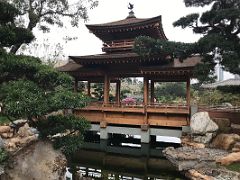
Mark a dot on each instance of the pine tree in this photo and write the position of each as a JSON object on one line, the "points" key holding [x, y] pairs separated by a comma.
{"points": [[32, 90], [220, 27]]}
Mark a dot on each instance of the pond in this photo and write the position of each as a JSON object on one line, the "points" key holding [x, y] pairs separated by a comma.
{"points": [[127, 160]]}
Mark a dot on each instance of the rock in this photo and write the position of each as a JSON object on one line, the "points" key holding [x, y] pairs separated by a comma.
{"points": [[38, 161], [20, 122], [236, 147], [7, 135], [11, 144], [223, 174], [1, 170], [229, 159], [10, 147], [201, 123], [225, 141], [186, 141], [194, 174], [28, 139], [78, 176], [17, 142], [202, 163], [25, 131], [185, 158], [59, 112], [214, 173], [224, 124], [34, 130], [5, 129], [204, 138], [235, 128]]}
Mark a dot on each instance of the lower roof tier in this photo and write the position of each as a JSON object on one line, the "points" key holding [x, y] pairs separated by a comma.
{"points": [[129, 65], [129, 58]]}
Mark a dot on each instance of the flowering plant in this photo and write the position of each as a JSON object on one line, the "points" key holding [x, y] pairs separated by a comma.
{"points": [[129, 100]]}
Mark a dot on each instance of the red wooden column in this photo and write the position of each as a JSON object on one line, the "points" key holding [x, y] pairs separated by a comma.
{"points": [[75, 88], [152, 92], [106, 89], [118, 87], [145, 90], [188, 93], [89, 89]]}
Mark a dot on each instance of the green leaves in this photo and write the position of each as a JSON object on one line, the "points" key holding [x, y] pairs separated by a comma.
{"points": [[216, 97], [32, 90], [189, 20], [14, 67], [197, 3], [170, 92], [23, 99], [229, 89], [66, 132], [8, 12], [49, 78], [65, 99], [146, 46], [9, 33]]}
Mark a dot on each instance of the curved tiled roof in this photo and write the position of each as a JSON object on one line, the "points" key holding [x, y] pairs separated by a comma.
{"points": [[70, 66], [108, 56], [130, 56], [127, 27], [115, 58], [126, 22]]}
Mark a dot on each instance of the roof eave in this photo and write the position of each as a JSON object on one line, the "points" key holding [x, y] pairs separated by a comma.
{"points": [[91, 27]]}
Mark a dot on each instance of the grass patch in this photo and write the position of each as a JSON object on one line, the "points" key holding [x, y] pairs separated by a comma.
{"points": [[234, 167], [4, 120]]}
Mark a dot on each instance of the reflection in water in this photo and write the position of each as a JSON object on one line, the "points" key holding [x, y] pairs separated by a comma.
{"points": [[106, 160]]}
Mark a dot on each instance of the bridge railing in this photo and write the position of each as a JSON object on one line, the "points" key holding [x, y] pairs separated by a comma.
{"points": [[138, 105]]}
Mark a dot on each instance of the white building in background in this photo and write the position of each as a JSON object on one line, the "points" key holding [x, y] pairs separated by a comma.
{"points": [[223, 75], [219, 72], [224, 78]]}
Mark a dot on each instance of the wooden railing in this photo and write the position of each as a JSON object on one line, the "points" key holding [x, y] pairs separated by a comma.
{"points": [[115, 45], [154, 107], [136, 114]]}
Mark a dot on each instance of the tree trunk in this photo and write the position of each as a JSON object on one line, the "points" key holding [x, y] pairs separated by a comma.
{"points": [[32, 23], [15, 48]]}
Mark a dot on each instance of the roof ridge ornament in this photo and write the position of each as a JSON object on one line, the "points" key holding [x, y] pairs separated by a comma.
{"points": [[131, 13]]}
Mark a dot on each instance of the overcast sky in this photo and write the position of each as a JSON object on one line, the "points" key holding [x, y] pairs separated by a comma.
{"points": [[113, 10]]}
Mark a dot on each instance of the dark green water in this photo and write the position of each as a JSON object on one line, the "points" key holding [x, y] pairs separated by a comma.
{"points": [[102, 160]]}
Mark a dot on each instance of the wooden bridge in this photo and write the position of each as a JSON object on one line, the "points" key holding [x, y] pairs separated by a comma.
{"points": [[152, 115]]}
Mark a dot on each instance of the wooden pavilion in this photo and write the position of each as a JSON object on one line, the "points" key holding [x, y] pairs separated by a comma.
{"points": [[119, 61]]}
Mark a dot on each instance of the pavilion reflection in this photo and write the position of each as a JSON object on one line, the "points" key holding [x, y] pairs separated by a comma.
{"points": [[94, 161]]}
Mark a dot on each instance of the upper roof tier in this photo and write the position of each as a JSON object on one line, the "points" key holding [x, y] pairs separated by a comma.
{"points": [[129, 28]]}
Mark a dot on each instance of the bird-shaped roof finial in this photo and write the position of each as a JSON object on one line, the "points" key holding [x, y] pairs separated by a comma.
{"points": [[131, 13], [130, 6]]}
